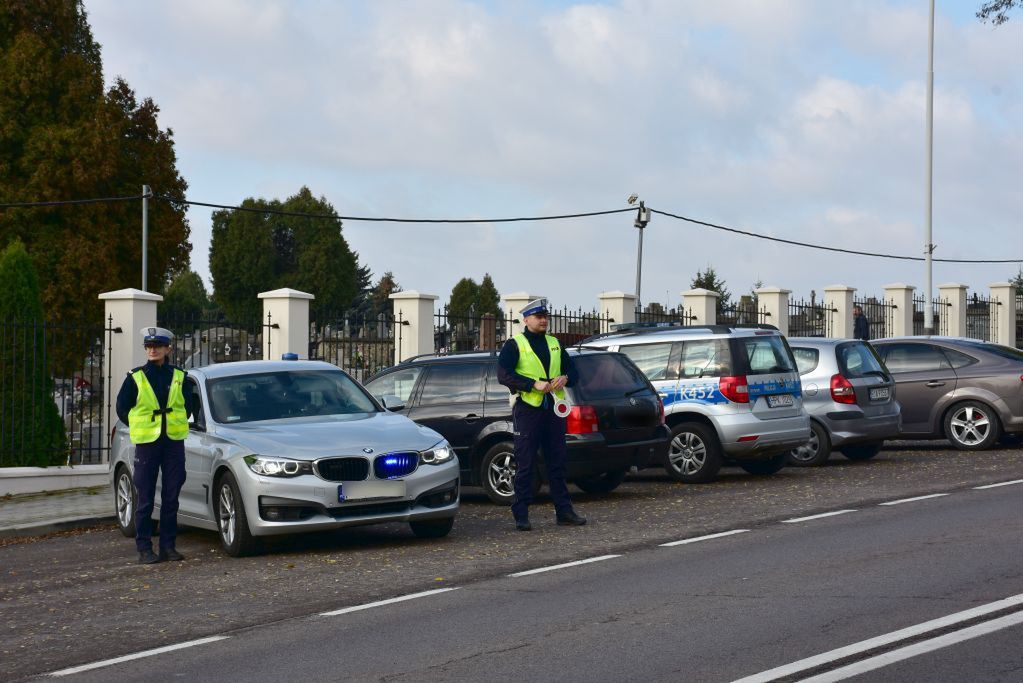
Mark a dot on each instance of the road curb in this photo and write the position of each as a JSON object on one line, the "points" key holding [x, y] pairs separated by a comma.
{"points": [[52, 526]]}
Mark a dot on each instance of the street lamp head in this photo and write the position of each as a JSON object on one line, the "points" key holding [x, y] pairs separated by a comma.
{"points": [[633, 198]]}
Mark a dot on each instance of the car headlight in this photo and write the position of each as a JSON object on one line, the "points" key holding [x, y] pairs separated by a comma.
{"points": [[277, 467], [437, 455]]}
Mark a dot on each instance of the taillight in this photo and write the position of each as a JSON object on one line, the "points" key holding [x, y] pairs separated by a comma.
{"points": [[582, 420], [841, 390], [735, 389], [660, 409]]}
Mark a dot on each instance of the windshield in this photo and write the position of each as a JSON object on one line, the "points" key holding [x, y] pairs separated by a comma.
{"points": [[857, 359], [607, 375], [281, 395]]}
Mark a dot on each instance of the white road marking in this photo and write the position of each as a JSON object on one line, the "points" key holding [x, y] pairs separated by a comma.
{"points": [[1004, 483], [704, 538], [913, 500], [820, 516], [388, 601], [915, 649], [137, 655], [880, 641], [563, 566]]}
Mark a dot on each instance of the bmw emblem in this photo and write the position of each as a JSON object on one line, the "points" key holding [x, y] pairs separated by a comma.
{"points": [[367, 451]]}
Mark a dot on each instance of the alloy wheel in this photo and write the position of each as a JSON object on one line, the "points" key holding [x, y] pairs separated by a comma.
{"points": [[688, 453], [808, 451], [501, 474], [125, 500], [970, 426], [228, 514]]}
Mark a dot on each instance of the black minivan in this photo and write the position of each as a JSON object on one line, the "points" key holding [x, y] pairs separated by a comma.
{"points": [[616, 421]]}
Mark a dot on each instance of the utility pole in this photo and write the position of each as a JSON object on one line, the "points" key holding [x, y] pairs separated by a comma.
{"points": [[642, 218], [146, 193], [928, 246]]}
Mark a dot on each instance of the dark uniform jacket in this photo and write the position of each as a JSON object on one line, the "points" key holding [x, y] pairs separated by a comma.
{"points": [[160, 377], [509, 359]]}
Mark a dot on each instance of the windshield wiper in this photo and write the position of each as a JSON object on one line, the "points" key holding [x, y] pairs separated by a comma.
{"points": [[635, 391]]}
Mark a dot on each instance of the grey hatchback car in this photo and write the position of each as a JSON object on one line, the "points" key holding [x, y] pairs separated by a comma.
{"points": [[965, 390], [850, 397]]}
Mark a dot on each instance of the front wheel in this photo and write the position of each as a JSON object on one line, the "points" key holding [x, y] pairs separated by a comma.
{"points": [[432, 528], [765, 467], [815, 451], [972, 426], [497, 473], [862, 451], [694, 455], [125, 502], [602, 483], [232, 523]]}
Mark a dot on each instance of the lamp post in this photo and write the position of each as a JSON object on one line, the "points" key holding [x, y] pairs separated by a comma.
{"points": [[928, 246], [642, 218]]}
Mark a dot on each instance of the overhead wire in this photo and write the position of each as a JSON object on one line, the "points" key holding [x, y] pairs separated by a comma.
{"points": [[69, 202]]}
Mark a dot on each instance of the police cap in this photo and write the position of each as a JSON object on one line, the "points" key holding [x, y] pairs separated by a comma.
{"points": [[536, 307], [156, 335]]}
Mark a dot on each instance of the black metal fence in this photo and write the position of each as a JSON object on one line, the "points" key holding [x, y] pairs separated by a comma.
{"points": [[880, 315], [673, 316], [982, 317], [453, 333], [207, 339], [940, 307], [810, 318], [52, 403], [1019, 320], [742, 313], [360, 343]]}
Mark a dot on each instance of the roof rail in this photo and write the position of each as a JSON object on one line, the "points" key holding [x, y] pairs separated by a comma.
{"points": [[648, 327], [447, 354]]}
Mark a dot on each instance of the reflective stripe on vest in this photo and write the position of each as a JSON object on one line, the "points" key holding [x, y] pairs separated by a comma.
{"points": [[529, 365], [145, 421]]}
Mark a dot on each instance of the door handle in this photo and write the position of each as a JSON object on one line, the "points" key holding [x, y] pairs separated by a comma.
{"points": [[935, 383], [471, 417]]}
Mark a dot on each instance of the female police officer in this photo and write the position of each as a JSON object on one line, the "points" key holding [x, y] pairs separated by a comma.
{"points": [[534, 366], [151, 402]]}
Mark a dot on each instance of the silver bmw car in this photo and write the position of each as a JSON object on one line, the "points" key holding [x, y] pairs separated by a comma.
{"points": [[278, 447]]}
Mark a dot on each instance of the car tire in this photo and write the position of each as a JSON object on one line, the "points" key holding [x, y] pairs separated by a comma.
{"points": [[765, 467], [432, 528], [232, 524], [814, 452], [497, 474], [601, 483], [862, 451], [972, 426], [125, 501], [694, 454]]}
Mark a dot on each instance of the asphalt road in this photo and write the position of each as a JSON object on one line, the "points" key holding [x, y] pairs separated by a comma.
{"points": [[76, 598]]}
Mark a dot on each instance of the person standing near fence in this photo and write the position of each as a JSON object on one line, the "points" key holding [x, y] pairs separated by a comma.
{"points": [[533, 366], [861, 326], [152, 403]]}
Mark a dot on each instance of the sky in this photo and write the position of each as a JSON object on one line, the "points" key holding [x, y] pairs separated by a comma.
{"points": [[797, 119]]}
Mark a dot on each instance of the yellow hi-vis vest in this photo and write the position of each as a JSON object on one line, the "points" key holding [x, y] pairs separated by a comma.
{"points": [[529, 365], [144, 419]]}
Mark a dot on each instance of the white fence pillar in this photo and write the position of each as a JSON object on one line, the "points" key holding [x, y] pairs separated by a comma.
{"points": [[955, 294], [902, 318], [703, 303], [619, 307], [1005, 294], [129, 310], [513, 303], [775, 301], [288, 313], [417, 309], [840, 299]]}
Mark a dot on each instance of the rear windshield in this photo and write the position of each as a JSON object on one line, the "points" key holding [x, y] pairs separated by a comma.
{"points": [[857, 359], [766, 354], [607, 375], [280, 395]]}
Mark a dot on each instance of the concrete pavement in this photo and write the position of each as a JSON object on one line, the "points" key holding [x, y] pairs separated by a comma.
{"points": [[42, 513]]}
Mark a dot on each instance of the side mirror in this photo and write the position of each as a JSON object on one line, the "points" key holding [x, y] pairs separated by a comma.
{"points": [[392, 403]]}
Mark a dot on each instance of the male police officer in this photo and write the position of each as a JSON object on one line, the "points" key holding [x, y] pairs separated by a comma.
{"points": [[152, 403], [533, 365]]}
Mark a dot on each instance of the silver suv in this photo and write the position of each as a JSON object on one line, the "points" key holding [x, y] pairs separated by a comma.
{"points": [[729, 393], [850, 397]]}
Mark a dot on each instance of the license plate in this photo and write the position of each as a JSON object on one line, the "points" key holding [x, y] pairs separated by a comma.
{"points": [[779, 401], [880, 394], [363, 490]]}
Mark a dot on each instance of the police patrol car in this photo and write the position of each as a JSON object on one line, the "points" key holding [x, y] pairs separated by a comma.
{"points": [[731, 394]]}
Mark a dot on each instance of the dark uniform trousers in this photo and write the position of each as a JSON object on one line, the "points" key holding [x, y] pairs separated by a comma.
{"points": [[535, 429], [167, 456]]}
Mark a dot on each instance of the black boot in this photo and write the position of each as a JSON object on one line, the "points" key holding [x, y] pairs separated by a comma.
{"points": [[170, 554], [523, 524], [148, 557], [570, 519]]}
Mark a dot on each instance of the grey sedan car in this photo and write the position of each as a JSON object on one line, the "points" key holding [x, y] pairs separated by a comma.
{"points": [[850, 397], [279, 447], [965, 390]]}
